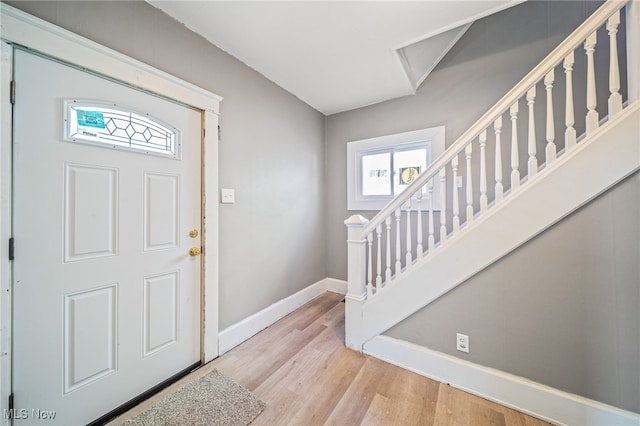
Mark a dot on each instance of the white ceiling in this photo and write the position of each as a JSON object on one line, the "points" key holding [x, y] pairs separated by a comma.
{"points": [[335, 55]]}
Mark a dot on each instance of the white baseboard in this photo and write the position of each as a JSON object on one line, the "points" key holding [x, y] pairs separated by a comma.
{"points": [[233, 335], [336, 286], [521, 394]]}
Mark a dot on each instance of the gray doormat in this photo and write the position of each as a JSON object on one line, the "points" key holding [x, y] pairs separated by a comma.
{"points": [[212, 399]]}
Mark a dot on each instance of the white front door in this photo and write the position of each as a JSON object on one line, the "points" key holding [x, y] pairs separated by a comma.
{"points": [[107, 297]]}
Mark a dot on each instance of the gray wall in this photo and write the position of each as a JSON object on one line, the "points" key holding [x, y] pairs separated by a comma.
{"points": [[272, 151], [492, 56], [561, 310]]}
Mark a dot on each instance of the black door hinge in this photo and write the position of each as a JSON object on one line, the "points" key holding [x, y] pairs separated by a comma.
{"points": [[12, 91], [11, 248]]}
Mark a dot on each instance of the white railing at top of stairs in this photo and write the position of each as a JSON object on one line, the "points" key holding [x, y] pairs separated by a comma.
{"points": [[379, 254]]}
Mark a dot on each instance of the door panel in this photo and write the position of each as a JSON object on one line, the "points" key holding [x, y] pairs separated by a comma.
{"points": [[90, 331], [161, 304], [106, 296], [160, 211], [90, 212]]}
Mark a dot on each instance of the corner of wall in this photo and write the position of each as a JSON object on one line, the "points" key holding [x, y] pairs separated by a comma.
{"points": [[325, 194], [234, 335]]}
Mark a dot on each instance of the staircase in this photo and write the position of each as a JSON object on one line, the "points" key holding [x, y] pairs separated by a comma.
{"points": [[524, 165]]}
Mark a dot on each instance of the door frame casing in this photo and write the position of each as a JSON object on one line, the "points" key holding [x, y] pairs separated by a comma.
{"points": [[6, 165], [22, 29]]}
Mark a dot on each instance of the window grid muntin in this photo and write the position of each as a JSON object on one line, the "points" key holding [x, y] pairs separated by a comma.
{"points": [[424, 144], [122, 129]]}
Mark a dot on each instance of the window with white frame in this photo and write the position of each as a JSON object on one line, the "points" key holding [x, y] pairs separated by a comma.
{"points": [[107, 125], [378, 169]]}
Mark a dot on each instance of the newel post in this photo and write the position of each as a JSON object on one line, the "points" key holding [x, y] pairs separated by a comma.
{"points": [[356, 281]]}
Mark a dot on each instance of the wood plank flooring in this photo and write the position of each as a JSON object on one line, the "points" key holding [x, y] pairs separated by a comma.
{"points": [[302, 370]]}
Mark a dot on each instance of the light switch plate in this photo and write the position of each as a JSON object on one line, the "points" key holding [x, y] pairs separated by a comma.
{"points": [[227, 196]]}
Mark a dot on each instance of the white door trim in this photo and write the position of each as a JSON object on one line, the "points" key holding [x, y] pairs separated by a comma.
{"points": [[23, 29], [5, 229]]}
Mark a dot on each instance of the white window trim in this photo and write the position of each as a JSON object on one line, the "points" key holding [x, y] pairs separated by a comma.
{"points": [[434, 136]]}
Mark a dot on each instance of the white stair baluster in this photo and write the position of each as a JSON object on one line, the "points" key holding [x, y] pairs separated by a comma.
{"points": [[484, 201], [398, 246], [569, 121], [387, 272], [369, 263], [419, 248], [469, 184], [443, 204], [532, 165], [408, 256], [615, 99], [455, 201], [550, 150], [379, 257], [592, 115], [431, 242], [497, 128], [515, 155]]}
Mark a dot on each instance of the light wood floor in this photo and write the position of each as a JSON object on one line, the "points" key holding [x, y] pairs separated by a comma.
{"points": [[302, 370]]}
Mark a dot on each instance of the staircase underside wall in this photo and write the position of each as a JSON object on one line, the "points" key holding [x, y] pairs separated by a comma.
{"points": [[562, 308]]}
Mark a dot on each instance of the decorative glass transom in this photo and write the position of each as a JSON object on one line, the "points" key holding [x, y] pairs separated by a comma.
{"points": [[108, 125]]}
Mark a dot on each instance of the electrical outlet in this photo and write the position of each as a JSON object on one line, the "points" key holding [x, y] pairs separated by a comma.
{"points": [[462, 342], [459, 181]]}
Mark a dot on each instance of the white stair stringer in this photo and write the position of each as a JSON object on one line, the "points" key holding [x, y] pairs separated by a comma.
{"points": [[598, 162]]}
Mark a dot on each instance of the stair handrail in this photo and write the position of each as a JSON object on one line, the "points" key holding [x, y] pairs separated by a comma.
{"points": [[577, 37]]}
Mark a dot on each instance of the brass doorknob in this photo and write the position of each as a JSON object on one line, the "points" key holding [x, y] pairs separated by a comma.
{"points": [[194, 251]]}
